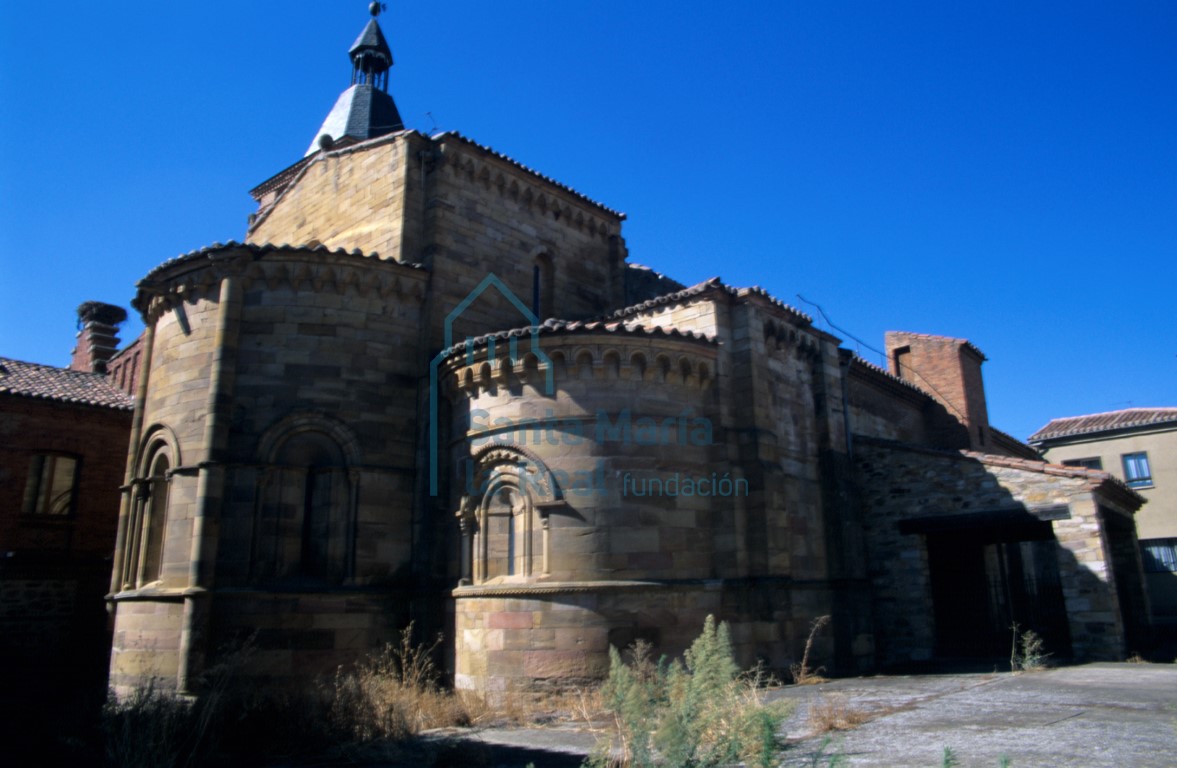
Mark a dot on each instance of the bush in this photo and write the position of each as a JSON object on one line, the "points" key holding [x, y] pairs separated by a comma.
{"points": [[381, 703], [694, 712]]}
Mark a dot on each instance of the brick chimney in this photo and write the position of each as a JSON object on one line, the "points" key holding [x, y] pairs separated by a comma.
{"points": [[98, 338], [948, 369]]}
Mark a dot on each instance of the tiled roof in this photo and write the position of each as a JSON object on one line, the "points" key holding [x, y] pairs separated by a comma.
{"points": [[866, 365], [281, 178], [1014, 443], [1094, 478], [1104, 422], [210, 251], [714, 284], [563, 327], [46, 382], [532, 171], [286, 177]]}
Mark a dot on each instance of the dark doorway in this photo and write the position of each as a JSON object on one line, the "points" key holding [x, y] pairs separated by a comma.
{"points": [[987, 578]]}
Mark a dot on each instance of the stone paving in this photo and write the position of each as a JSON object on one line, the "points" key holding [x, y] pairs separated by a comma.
{"points": [[1092, 715]]}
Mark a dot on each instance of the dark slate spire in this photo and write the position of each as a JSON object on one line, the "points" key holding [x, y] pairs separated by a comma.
{"points": [[370, 55], [365, 110]]}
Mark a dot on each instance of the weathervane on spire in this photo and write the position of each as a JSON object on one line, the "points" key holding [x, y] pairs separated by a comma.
{"points": [[365, 110]]}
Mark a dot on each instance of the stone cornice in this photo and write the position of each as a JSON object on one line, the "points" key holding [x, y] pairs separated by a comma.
{"points": [[484, 152], [654, 355], [522, 589], [317, 268]]}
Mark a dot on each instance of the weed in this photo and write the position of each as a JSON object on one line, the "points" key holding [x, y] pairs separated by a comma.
{"points": [[1027, 651], [694, 712], [949, 759], [802, 674]]}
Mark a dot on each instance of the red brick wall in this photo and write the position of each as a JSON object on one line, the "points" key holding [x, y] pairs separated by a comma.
{"points": [[123, 368], [98, 437], [948, 369]]}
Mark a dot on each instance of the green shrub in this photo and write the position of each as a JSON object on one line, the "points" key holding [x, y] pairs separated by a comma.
{"points": [[696, 712]]}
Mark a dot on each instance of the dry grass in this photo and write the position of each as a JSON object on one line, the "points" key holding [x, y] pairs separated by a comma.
{"points": [[522, 708], [834, 712], [396, 694], [359, 713], [802, 673]]}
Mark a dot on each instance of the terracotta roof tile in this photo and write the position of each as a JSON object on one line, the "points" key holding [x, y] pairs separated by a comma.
{"points": [[1094, 478], [714, 284], [499, 155], [1104, 422], [256, 249], [564, 327], [46, 382], [866, 365]]}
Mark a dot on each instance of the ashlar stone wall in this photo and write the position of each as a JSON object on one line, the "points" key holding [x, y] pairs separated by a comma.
{"points": [[282, 389], [899, 484]]}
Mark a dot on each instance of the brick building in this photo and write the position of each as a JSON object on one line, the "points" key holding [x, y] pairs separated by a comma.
{"points": [[62, 432], [430, 386]]}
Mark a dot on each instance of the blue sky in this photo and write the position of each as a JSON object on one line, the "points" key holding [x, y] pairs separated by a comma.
{"points": [[1002, 172]]}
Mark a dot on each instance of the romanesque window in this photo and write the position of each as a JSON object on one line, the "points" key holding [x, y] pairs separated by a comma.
{"points": [[303, 528], [543, 282], [51, 486], [505, 531], [143, 560]]}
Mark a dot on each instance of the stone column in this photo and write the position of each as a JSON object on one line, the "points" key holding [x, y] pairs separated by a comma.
{"points": [[210, 483], [127, 506]]}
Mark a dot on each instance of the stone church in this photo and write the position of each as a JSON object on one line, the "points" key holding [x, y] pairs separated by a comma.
{"points": [[429, 386]]}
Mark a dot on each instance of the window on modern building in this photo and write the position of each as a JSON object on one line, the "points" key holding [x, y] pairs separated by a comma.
{"points": [[1160, 555], [1136, 471], [52, 485], [1092, 463]]}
